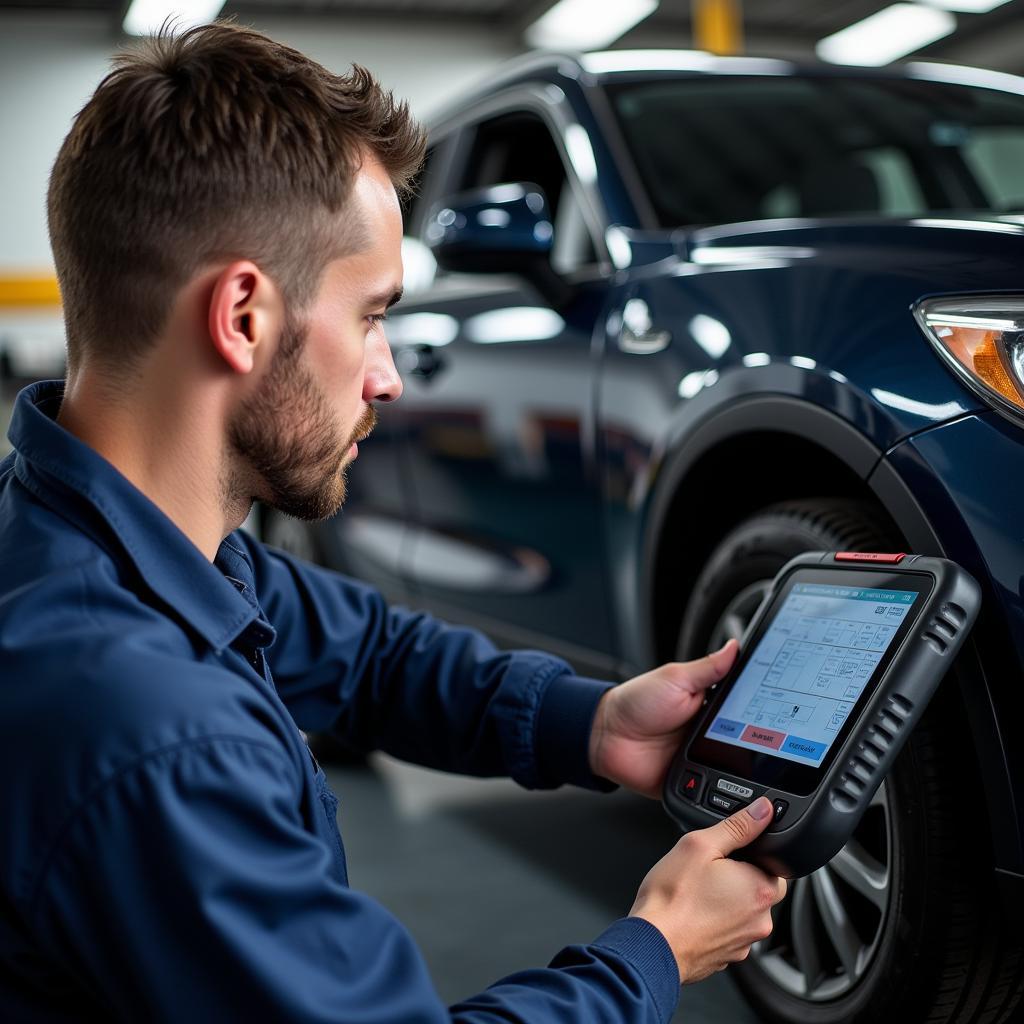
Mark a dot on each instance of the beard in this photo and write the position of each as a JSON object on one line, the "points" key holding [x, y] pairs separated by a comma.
{"points": [[289, 444]]}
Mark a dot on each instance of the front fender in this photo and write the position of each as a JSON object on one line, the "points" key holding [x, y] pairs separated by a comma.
{"points": [[906, 482]]}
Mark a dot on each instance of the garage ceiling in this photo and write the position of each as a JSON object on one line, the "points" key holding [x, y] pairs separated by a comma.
{"points": [[781, 27]]}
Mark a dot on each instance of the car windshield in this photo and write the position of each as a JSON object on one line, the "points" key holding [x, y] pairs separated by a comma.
{"points": [[721, 149]]}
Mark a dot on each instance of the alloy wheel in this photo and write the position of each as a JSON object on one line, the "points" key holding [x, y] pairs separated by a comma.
{"points": [[828, 928]]}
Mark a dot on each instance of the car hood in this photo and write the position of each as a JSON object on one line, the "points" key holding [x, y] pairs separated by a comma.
{"points": [[822, 310], [798, 238]]}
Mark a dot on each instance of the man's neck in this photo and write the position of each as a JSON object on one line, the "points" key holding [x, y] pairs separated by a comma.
{"points": [[167, 444]]}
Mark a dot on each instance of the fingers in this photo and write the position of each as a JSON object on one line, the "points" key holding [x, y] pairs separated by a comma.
{"points": [[704, 672], [712, 908], [725, 655], [740, 828], [782, 887]]}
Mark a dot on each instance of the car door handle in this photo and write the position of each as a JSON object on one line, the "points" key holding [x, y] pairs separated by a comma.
{"points": [[419, 361]]}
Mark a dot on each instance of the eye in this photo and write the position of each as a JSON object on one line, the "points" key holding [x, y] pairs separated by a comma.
{"points": [[376, 319]]}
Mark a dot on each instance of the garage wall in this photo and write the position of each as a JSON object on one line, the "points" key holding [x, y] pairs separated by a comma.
{"points": [[49, 65]]}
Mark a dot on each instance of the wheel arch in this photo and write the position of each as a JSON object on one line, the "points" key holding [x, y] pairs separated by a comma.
{"points": [[806, 452]]}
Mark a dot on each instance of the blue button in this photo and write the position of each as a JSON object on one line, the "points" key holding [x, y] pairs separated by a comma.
{"points": [[810, 749], [726, 727]]}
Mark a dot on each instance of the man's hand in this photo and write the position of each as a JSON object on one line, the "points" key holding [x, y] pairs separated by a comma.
{"points": [[639, 725], [709, 908]]}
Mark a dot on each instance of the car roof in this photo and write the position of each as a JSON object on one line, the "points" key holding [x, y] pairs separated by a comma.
{"points": [[611, 65]]}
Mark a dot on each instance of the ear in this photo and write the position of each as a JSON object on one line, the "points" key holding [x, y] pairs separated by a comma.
{"points": [[245, 311]]}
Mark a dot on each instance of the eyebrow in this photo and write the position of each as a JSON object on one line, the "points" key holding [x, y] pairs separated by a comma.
{"points": [[385, 298]]}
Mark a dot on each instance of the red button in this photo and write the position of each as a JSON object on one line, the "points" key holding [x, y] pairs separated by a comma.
{"points": [[869, 556], [689, 785]]}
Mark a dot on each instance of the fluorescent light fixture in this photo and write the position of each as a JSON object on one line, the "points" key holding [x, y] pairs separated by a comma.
{"points": [[145, 17], [587, 24], [887, 35], [967, 6]]}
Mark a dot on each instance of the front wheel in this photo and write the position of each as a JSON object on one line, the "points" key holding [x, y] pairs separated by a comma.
{"points": [[902, 924]]}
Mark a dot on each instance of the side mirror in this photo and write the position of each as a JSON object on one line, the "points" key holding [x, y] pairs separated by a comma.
{"points": [[495, 230]]}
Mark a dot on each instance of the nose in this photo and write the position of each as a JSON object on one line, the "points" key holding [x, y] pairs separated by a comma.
{"points": [[382, 382]]}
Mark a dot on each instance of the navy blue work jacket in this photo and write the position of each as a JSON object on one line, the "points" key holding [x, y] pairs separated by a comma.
{"points": [[169, 848]]}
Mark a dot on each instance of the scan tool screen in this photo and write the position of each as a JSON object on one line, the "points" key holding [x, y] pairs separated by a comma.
{"points": [[809, 670]]}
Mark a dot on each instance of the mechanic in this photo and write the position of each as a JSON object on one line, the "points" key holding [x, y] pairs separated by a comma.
{"points": [[226, 227]]}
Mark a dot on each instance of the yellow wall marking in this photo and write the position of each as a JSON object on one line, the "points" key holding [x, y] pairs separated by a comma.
{"points": [[28, 291]]}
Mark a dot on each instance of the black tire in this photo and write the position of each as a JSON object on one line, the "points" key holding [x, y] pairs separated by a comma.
{"points": [[936, 950]]}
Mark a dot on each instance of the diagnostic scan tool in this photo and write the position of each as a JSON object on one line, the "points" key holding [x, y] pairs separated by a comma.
{"points": [[835, 669]]}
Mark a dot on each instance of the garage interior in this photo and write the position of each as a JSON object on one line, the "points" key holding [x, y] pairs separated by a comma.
{"points": [[488, 878]]}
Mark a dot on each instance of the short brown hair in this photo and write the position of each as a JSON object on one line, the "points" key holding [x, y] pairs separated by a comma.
{"points": [[209, 144]]}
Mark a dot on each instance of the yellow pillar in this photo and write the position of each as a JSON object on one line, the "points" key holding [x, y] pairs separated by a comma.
{"points": [[718, 26]]}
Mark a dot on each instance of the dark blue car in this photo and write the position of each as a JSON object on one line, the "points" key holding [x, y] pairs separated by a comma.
{"points": [[671, 320]]}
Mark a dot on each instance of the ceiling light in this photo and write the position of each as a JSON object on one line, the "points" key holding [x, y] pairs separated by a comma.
{"points": [[587, 24], [145, 17], [887, 35], [967, 6]]}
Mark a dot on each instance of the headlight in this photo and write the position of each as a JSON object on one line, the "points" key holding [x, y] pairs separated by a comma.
{"points": [[982, 338]]}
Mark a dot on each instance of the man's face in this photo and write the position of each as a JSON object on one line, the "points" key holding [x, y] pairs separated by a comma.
{"points": [[297, 432]]}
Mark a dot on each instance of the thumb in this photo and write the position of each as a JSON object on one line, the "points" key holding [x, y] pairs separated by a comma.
{"points": [[742, 827], [710, 669]]}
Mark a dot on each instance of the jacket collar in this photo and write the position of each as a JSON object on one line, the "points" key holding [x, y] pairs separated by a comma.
{"points": [[217, 600]]}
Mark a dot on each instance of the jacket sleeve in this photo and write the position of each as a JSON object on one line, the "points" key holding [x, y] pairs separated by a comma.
{"points": [[381, 677], [188, 888]]}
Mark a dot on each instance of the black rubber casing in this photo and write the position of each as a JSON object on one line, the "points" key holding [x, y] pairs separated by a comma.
{"points": [[817, 825]]}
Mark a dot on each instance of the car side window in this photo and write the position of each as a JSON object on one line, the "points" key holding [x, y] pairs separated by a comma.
{"points": [[520, 147]]}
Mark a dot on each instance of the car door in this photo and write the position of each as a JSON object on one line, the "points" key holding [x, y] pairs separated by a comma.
{"points": [[499, 413]]}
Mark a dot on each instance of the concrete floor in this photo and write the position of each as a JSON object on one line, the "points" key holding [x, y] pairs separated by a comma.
{"points": [[490, 878]]}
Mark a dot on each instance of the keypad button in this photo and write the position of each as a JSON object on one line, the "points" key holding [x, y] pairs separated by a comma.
{"points": [[734, 789], [689, 785], [725, 804]]}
